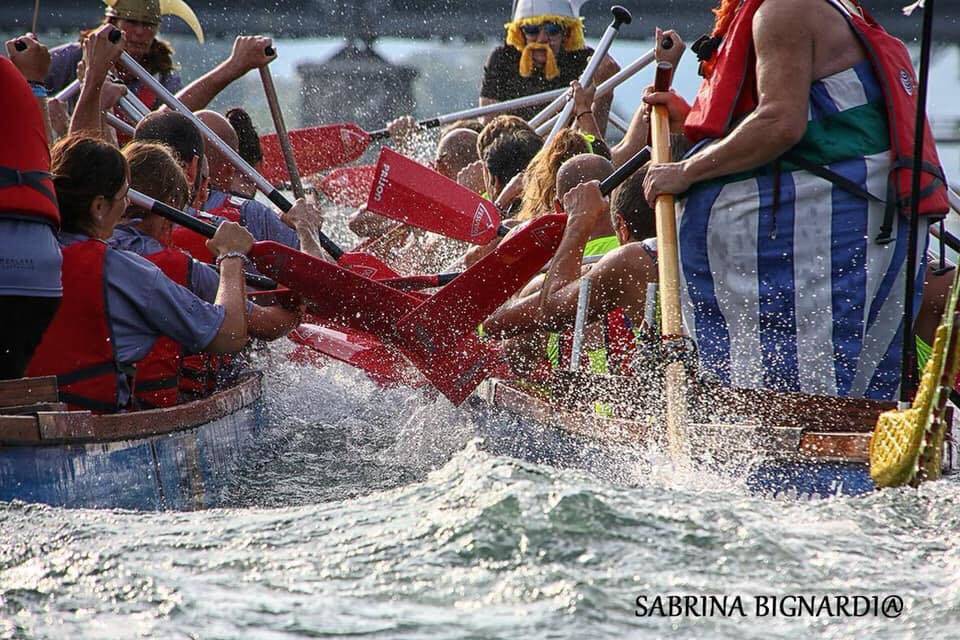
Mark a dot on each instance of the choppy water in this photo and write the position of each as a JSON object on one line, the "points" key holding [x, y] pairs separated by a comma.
{"points": [[377, 514]]}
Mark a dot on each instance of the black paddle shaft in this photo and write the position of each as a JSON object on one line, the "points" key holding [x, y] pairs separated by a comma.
{"points": [[207, 230], [624, 171]]}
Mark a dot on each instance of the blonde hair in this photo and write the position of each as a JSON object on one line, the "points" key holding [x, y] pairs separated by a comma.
{"points": [[574, 27], [540, 178]]}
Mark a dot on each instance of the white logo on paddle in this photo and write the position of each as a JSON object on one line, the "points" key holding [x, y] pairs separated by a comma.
{"points": [[906, 81], [381, 184], [481, 221], [360, 270]]}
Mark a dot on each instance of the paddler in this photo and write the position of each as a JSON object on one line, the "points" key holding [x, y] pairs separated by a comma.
{"points": [[139, 20], [297, 227], [116, 304], [782, 198], [154, 171], [619, 279], [543, 50], [30, 260]]}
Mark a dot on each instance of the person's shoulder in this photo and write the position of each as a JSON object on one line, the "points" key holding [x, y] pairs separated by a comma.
{"points": [[67, 49]]}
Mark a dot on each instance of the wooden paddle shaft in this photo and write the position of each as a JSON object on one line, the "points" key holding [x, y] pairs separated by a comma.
{"points": [[270, 90], [668, 257], [668, 267]]}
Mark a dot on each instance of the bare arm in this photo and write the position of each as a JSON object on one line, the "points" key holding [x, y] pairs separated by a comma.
{"points": [[270, 323], [99, 54], [601, 107], [249, 52], [784, 46], [231, 294]]}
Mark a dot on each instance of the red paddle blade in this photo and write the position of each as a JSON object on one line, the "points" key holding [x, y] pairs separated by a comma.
{"points": [[361, 350], [315, 148], [348, 186], [334, 293], [407, 191], [367, 265], [439, 336]]}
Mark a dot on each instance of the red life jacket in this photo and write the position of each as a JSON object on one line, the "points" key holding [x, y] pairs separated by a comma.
{"points": [[147, 96], [157, 382], [78, 346], [196, 244], [26, 189], [730, 92]]}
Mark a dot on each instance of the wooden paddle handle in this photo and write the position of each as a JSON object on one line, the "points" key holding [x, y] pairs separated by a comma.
{"points": [[270, 91], [668, 257]]}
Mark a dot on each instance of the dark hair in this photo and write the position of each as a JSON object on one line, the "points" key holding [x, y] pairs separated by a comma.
{"points": [[630, 203], [174, 130], [155, 172], [510, 154], [84, 168], [249, 148], [498, 126]]}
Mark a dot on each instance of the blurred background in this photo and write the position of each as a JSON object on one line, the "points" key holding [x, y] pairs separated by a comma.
{"points": [[372, 60]]}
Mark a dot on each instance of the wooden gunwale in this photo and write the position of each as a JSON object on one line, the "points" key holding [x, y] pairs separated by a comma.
{"points": [[81, 427], [840, 432]]}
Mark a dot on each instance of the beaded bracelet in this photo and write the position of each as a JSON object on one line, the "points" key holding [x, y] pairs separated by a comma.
{"points": [[232, 254]]}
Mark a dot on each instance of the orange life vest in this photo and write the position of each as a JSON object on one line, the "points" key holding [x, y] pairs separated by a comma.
{"points": [[78, 346]]}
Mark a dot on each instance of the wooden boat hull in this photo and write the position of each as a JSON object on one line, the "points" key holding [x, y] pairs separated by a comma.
{"points": [[784, 458], [179, 458]]}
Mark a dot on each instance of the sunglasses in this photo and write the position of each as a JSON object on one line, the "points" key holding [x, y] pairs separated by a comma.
{"points": [[533, 30]]}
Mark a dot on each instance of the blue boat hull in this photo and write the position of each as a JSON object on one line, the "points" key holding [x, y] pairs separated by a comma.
{"points": [[182, 470]]}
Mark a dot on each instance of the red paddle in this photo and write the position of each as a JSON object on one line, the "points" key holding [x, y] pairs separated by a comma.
{"points": [[438, 336], [405, 190], [358, 349], [348, 186], [327, 146]]}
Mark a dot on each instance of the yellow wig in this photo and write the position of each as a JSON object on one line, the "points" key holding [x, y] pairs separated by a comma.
{"points": [[516, 39], [574, 26]]}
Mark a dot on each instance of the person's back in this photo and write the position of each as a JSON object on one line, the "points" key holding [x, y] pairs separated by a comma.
{"points": [[30, 285]]}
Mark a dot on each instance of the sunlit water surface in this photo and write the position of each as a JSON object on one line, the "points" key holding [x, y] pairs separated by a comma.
{"points": [[371, 513]]}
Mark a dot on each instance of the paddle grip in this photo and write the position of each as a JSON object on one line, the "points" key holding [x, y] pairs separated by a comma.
{"points": [[663, 77], [285, 205], [620, 16], [269, 51], [115, 36], [20, 45], [624, 171], [666, 43]]}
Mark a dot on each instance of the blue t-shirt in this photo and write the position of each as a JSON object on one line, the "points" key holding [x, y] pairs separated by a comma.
{"points": [[30, 259], [144, 304], [259, 219], [204, 279]]}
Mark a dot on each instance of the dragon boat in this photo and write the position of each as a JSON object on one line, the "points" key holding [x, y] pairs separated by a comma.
{"points": [[177, 458], [780, 443]]}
